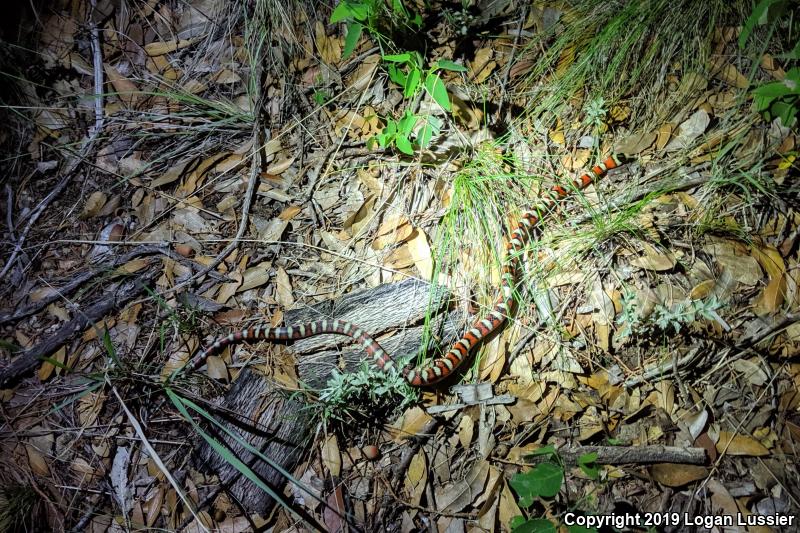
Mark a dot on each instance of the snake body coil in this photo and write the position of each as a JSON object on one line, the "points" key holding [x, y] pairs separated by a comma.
{"points": [[441, 367]]}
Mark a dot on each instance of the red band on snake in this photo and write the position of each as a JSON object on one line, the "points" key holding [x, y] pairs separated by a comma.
{"points": [[441, 367]]}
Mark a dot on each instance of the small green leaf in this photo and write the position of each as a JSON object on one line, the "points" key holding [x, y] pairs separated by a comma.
{"points": [[403, 144], [342, 12], [793, 54], [773, 90], [517, 521], [354, 30], [360, 10], [407, 123], [436, 88], [430, 128], [397, 58], [759, 16], [784, 111], [412, 82], [446, 64], [587, 463], [537, 525], [397, 76], [543, 480]]}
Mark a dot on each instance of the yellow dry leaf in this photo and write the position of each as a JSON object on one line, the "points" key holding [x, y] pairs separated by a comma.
{"points": [[508, 508], [677, 475], [420, 252], [702, 289], [482, 58], [37, 460], [417, 477], [47, 368], [412, 421], [565, 60], [125, 89], [283, 288], [735, 444], [557, 136], [161, 48], [255, 276], [493, 360], [771, 298], [290, 212], [329, 48], [466, 427], [664, 135], [94, 204], [393, 230], [654, 259], [731, 75], [331, 457], [132, 266]]}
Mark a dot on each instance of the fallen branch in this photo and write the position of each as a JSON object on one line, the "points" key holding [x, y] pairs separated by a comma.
{"points": [[620, 455], [98, 309]]}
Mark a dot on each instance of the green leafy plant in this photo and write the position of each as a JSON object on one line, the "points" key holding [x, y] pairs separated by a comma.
{"points": [[668, 319], [778, 99], [406, 70], [370, 14], [356, 396], [543, 482]]}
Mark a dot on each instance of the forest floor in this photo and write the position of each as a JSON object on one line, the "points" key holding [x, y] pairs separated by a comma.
{"points": [[177, 171]]}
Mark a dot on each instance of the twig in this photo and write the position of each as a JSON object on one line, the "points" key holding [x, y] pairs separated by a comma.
{"points": [[39, 209], [510, 61], [103, 305], [662, 370], [95, 272], [97, 57], [619, 455]]}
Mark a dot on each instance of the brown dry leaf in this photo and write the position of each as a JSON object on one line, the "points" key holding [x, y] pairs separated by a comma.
{"points": [[689, 130], [94, 204], [132, 266], [329, 48], [733, 257], [482, 58], [278, 167], [417, 477], [735, 444], [637, 143], [290, 212], [216, 368], [125, 89], [89, 407], [331, 456], [465, 430], [227, 290], [677, 475], [47, 368], [283, 288], [729, 74], [508, 505], [654, 259], [454, 497], [664, 135], [393, 230], [255, 276], [173, 173], [161, 48], [771, 298], [412, 421], [360, 79], [557, 134], [493, 360], [420, 252], [36, 460]]}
